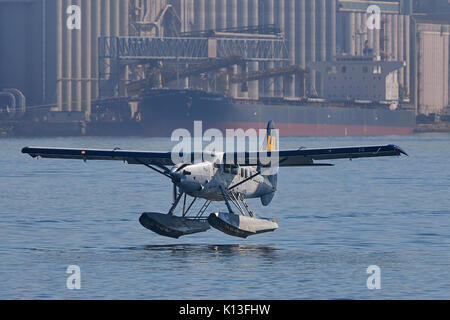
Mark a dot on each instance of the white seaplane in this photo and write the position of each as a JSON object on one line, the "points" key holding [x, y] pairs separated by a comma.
{"points": [[229, 177]]}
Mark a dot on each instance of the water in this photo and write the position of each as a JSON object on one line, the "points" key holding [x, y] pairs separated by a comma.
{"points": [[334, 223]]}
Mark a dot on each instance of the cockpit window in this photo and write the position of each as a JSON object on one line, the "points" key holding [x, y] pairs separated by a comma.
{"points": [[187, 173]]}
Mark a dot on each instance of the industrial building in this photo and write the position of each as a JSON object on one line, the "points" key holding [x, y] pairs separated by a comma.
{"points": [[432, 63], [67, 69]]}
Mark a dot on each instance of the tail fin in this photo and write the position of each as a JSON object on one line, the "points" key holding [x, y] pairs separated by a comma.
{"points": [[270, 144]]}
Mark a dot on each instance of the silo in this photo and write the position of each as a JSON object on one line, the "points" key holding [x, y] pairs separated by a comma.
{"points": [[210, 14], [232, 22], [104, 68], [332, 30], [232, 14], [115, 17], [371, 38], [401, 44], [243, 22], [76, 66], [388, 37], [114, 32], [341, 30], [199, 15], [253, 20], [289, 88], [188, 15], [267, 86], [395, 38], [362, 32], [323, 29], [96, 32], [322, 25], [280, 23], [312, 44], [351, 34], [67, 60], [300, 38], [124, 31], [86, 29], [408, 55], [221, 16], [376, 41], [59, 54]]}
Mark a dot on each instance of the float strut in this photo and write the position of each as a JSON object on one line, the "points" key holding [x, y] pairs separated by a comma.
{"points": [[171, 211], [225, 198]]}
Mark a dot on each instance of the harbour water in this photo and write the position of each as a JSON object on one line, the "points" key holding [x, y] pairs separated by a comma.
{"points": [[334, 222]]}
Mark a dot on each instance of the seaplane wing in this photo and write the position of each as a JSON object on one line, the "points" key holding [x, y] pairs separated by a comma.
{"points": [[285, 158], [132, 157], [306, 157], [301, 157]]}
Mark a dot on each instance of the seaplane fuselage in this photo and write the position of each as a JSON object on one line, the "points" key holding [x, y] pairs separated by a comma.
{"points": [[207, 180]]}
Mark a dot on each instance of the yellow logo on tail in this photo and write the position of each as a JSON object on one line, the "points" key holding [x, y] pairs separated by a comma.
{"points": [[271, 143]]}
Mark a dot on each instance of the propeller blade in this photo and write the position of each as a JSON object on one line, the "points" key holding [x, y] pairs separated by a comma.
{"points": [[175, 192]]}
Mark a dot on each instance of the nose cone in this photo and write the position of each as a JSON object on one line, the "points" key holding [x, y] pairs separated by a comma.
{"points": [[190, 186], [176, 176], [185, 184]]}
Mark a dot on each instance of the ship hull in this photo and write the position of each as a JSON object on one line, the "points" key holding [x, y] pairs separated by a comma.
{"points": [[163, 112]]}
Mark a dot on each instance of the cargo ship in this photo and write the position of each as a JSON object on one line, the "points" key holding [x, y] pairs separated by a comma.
{"points": [[360, 97], [163, 111]]}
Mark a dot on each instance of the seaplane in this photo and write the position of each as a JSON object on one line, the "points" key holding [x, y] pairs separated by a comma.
{"points": [[230, 177]]}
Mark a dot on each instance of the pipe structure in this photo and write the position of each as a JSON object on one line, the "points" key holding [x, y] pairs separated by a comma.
{"points": [[11, 110]]}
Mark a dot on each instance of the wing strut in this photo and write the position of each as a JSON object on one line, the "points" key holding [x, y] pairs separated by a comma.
{"points": [[164, 173], [244, 181]]}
